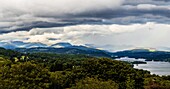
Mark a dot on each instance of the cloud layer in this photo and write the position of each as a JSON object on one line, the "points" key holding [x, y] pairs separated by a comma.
{"points": [[112, 37], [109, 24], [17, 15]]}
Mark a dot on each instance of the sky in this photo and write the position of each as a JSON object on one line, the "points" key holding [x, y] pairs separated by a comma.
{"points": [[108, 24]]}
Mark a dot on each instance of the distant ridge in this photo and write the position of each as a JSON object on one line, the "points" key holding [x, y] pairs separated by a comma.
{"points": [[67, 48], [20, 44]]}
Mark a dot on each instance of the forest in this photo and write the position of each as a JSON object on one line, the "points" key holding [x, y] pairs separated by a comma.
{"points": [[67, 71]]}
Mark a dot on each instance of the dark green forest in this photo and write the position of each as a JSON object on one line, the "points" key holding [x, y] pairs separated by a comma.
{"points": [[66, 71]]}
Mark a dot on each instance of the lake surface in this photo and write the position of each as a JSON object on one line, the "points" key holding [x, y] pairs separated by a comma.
{"points": [[158, 68]]}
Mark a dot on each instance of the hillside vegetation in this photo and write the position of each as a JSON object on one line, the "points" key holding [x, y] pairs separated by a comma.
{"points": [[63, 71]]}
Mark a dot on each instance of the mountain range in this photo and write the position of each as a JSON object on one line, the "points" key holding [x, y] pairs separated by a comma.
{"points": [[59, 48], [20, 44], [67, 48]]}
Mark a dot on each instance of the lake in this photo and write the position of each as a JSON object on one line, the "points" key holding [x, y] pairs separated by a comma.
{"points": [[158, 68]]}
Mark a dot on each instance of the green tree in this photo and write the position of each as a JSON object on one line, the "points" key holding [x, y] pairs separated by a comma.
{"points": [[24, 76], [94, 83], [120, 72]]}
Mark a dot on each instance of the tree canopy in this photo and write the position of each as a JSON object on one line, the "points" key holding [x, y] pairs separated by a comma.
{"points": [[58, 71]]}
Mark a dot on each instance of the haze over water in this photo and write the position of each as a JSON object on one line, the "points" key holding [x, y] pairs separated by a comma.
{"points": [[158, 68]]}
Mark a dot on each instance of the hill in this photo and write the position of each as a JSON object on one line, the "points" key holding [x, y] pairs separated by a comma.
{"points": [[61, 71], [67, 50], [135, 53], [145, 54]]}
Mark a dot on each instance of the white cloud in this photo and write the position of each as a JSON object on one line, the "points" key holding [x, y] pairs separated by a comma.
{"points": [[56, 7], [119, 36], [146, 7], [152, 7]]}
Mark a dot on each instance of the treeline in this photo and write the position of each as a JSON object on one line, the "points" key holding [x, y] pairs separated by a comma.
{"points": [[145, 54], [54, 71]]}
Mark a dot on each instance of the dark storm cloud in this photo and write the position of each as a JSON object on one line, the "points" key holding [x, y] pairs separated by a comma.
{"points": [[19, 16], [41, 24], [141, 14], [162, 0]]}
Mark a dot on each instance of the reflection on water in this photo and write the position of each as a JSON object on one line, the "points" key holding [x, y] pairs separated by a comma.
{"points": [[159, 68]]}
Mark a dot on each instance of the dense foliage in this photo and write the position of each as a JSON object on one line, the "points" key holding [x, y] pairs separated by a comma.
{"points": [[61, 71], [25, 76]]}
